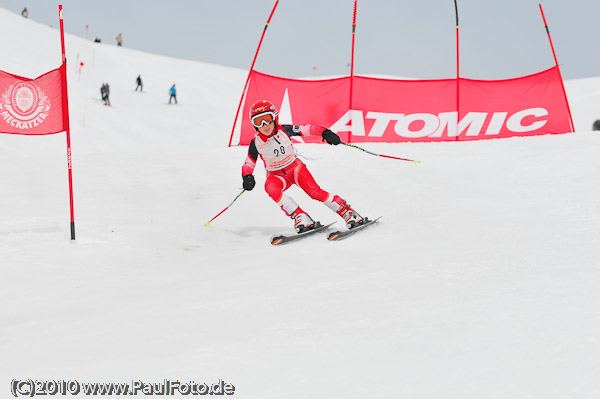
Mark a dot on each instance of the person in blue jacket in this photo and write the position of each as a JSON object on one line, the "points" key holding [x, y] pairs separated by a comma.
{"points": [[173, 93]]}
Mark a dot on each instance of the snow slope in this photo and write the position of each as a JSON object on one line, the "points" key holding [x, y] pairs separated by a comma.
{"points": [[481, 280]]}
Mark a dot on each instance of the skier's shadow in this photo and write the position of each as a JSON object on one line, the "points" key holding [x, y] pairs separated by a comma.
{"points": [[262, 231]]}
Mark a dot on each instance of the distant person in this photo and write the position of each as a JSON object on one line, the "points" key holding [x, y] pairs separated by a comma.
{"points": [[119, 40], [24, 13], [97, 40], [173, 92], [139, 83], [105, 92]]}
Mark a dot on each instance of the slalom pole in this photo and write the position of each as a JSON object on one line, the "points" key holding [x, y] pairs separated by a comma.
{"points": [[457, 71], [558, 69], [352, 64], [227, 207], [65, 104], [380, 155], [250, 71]]}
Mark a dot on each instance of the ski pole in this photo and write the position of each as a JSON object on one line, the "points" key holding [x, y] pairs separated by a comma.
{"points": [[380, 155], [227, 207]]}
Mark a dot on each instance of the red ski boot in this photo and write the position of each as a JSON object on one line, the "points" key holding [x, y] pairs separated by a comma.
{"points": [[302, 222], [351, 217]]}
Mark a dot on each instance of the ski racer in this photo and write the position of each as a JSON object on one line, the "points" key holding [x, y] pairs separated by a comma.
{"points": [[273, 143]]}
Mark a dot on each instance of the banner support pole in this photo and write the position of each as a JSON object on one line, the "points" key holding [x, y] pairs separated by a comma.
{"points": [[558, 69], [65, 104], [457, 70], [250, 72], [352, 67]]}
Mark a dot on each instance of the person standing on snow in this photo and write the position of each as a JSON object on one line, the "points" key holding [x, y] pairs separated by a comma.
{"points": [[119, 40], [173, 94], [24, 13], [138, 80], [105, 92], [273, 143]]}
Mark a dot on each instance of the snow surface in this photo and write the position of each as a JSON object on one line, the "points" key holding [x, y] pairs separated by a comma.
{"points": [[481, 280]]}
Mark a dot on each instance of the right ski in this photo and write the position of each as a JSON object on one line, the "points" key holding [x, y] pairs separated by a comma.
{"points": [[284, 239], [340, 235]]}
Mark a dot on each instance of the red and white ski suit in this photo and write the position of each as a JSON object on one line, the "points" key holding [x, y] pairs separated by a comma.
{"points": [[284, 168]]}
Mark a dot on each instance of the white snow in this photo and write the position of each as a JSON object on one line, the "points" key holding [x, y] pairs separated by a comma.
{"points": [[481, 281]]}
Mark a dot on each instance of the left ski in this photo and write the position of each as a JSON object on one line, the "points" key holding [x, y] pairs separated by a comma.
{"points": [[341, 234], [284, 239]]}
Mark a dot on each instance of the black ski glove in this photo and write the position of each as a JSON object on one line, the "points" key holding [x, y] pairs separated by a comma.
{"points": [[249, 182], [330, 137]]}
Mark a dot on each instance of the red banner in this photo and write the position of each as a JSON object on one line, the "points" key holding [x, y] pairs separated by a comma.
{"points": [[387, 110], [32, 106]]}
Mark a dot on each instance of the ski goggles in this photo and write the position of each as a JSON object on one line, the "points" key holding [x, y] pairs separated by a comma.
{"points": [[263, 119]]}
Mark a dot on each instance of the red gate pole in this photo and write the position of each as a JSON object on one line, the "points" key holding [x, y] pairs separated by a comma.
{"points": [[251, 69], [352, 66], [558, 69], [65, 107], [457, 72]]}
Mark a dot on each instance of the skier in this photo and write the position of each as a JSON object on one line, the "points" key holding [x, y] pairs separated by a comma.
{"points": [[25, 13], [173, 94], [272, 142], [138, 80], [105, 92], [119, 40]]}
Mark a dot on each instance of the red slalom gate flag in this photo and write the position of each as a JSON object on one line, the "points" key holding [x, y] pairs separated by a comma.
{"points": [[39, 106], [33, 106]]}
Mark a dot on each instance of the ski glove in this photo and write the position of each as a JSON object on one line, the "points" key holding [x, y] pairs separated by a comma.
{"points": [[330, 137], [249, 182]]}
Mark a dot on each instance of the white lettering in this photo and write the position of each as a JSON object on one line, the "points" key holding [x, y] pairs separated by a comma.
{"points": [[19, 124], [419, 125], [352, 121], [474, 121], [430, 123], [515, 122], [496, 123], [447, 120], [382, 120]]}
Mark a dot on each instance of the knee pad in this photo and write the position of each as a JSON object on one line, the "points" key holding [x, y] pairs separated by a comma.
{"points": [[305, 180], [275, 186]]}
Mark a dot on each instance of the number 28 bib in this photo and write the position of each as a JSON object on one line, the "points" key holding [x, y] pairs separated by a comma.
{"points": [[277, 152]]}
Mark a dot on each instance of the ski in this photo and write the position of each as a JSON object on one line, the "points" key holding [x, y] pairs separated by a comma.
{"points": [[341, 234], [284, 239]]}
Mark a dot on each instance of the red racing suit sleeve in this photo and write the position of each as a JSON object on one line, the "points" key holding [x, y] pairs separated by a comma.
{"points": [[250, 162], [303, 130]]}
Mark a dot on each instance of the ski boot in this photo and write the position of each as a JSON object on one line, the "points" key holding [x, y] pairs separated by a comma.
{"points": [[350, 216], [302, 222]]}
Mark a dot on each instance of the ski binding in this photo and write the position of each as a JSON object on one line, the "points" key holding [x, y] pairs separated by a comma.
{"points": [[284, 239], [341, 234]]}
